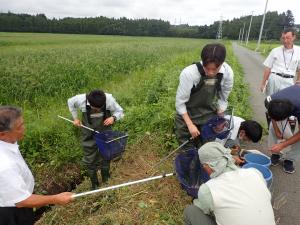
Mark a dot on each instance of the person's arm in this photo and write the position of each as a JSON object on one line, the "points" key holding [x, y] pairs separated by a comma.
{"points": [[266, 75], [298, 71], [276, 129], [298, 75], [292, 140], [191, 126], [268, 63], [42, 200], [183, 93], [226, 87], [14, 190], [116, 110], [73, 104], [204, 200]]}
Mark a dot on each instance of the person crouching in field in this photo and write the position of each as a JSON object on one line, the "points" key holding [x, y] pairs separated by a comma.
{"points": [[243, 131], [16, 180], [99, 111], [283, 141], [202, 93], [233, 196]]}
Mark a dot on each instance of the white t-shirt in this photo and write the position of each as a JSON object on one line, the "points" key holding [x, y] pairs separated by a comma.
{"points": [[16, 180], [282, 60], [241, 197], [235, 123]]}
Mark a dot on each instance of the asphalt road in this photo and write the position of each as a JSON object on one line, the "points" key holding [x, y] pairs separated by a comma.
{"points": [[286, 187]]}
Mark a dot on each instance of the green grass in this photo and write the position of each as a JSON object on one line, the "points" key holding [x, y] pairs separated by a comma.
{"points": [[265, 47], [40, 71]]}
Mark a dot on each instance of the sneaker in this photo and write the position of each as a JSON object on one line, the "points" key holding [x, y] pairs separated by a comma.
{"points": [[275, 159], [288, 166]]}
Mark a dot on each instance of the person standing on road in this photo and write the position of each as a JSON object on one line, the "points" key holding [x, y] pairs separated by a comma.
{"points": [[16, 181], [282, 64], [99, 111], [202, 93]]}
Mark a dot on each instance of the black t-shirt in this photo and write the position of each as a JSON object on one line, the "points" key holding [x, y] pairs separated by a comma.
{"points": [[291, 93]]}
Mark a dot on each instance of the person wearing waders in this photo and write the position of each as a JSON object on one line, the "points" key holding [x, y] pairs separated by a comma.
{"points": [[99, 111], [202, 93]]}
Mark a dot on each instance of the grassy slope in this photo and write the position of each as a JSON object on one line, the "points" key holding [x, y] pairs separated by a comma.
{"points": [[142, 73]]}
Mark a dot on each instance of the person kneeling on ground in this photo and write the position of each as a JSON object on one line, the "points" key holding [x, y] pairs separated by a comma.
{"points": [[281, 106], [16, 180], [223, 200], [99, 111], [243, 131]]}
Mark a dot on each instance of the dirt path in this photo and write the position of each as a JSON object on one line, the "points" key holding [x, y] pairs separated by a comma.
{"points": [[286, 187]]}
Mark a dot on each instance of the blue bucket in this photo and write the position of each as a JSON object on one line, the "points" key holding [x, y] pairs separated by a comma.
{"points": [[265, 171], [257, 159]]}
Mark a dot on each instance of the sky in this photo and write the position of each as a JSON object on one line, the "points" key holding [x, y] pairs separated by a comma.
{"points": [[192, 12]]}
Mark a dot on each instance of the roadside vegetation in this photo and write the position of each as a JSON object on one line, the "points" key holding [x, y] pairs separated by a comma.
{"points": [[39, 72], [265, 46]]}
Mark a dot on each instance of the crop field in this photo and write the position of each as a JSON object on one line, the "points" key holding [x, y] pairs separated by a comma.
{"points": [[39, 72]]}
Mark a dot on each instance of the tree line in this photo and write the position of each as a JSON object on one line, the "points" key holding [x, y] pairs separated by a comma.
{"points": [[274, 23]]}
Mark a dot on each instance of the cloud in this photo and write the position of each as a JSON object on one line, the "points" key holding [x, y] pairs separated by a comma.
{"points": [[193, 12]]}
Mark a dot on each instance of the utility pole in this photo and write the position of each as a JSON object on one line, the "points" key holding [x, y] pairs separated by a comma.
{"points": [[219, 34], [261, 27], [243, 33], [249, 29], [246, 34]]}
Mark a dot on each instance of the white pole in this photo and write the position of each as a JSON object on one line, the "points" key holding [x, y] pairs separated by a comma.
{"points": [[261, 27], [240, 34], [122, 185], [64, 118], [171, 153], [249, 29], [243, 33]]}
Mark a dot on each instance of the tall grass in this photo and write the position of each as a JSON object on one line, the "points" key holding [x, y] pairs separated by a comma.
{"points": [[40, 71]]}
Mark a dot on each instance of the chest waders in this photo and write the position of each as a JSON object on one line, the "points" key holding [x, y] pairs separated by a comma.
{"points": [[92, 159], [201, 106]]}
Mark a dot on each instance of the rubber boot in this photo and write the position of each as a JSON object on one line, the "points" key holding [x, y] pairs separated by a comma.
{"points": [[94, 178], [105, 174]]}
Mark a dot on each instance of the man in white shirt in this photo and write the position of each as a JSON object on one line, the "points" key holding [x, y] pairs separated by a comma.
{"points": [[203, 91], [282, 64], [99, 111], [16, 180], [223, 200]]}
